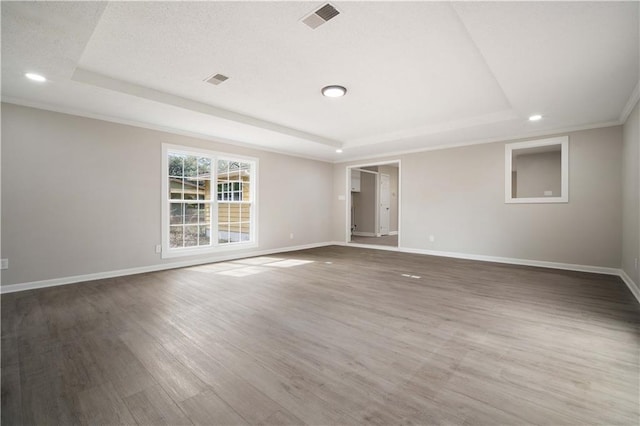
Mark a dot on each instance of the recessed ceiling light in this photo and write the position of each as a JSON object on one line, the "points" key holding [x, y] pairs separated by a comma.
{"points": [[339, 151], [334, 91], [535, 117], [35, 77]]}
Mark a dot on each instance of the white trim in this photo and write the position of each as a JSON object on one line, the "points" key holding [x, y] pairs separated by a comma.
{"points": [[633, 287], [631, 102], [342, 159], [365, 171], [563, 141], [371, 246], [507, 138], [364, 234], [494, 259], [376, 205], [348, 169], [399, 203], [143, 125], [379, 182], [168, 252], [11, 288]]}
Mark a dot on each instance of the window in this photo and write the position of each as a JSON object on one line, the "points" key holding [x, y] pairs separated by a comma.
{"points": [[230, 191], [195, 218]]}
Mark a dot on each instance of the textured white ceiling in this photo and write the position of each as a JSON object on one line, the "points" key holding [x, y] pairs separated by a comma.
{"points": [[419, 74]]}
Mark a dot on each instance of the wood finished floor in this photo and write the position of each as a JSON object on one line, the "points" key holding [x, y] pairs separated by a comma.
{"points": [[334, 335], [385, 240]]}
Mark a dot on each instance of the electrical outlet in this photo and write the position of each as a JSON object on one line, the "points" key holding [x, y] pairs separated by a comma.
{"points": [[291, 236], [4, 264], [432, 238], [158, 248]]}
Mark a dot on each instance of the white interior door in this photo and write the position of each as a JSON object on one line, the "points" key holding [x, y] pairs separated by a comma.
{"points": [[385, 204]]}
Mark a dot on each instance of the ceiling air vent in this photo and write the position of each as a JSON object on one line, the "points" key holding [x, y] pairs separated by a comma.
{"points": [[217, 79], [320, 16]]}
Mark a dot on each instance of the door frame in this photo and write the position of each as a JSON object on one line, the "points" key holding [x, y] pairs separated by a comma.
{"points": [[379, 205], [347, 187]]}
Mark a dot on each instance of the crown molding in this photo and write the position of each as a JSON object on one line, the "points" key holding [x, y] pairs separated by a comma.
{"points": [[149, 126], [631, 102], [507, 138]]}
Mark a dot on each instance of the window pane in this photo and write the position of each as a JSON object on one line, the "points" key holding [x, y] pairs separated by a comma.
{"points": [[246, 194], [234, 212], [191, 213], [245, 210], [204, 168], [191, 236], [234, 232], [190, 165], [176, 165], [245, 231], [175, 236], [205, 213], [190, 189], [205, 235], [204, 189], [223, 212], [223, 233], [223, 167], [175, 188], [176, 216]]}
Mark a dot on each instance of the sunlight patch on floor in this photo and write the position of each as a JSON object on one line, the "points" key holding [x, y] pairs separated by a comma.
{"points": [[289, 263], [244, 271]]}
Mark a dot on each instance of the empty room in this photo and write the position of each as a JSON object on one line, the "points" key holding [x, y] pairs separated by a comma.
{"points": [[313, 213]]}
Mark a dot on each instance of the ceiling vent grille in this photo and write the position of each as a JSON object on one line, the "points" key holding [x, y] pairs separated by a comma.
{"points": [[320, 16], [217, 79]]}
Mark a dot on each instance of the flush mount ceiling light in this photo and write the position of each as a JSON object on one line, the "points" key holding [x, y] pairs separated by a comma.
{"points": [[334, 91], [535, 117], [35, 77], [339, 151]]}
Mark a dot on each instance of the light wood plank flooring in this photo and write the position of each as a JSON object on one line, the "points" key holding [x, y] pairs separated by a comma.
{"points": [[335, 335]]}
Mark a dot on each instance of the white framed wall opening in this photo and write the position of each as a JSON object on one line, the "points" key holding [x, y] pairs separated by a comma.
{"points": [[208, 201], [373, 204], [537, 171]]}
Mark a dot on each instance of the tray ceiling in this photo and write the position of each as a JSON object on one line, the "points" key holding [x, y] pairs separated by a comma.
{"points": [[418, 74]]}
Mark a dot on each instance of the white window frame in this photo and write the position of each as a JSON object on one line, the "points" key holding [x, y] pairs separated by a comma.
{"points": [[214, 247]]}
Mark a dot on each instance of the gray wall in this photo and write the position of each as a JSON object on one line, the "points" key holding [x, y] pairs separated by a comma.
{"points": [[82, 196], [537, 173], [631, 195], [364, 203], [457, 195]]}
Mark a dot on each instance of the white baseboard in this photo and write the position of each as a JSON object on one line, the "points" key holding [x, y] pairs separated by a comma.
{"points": [[11, 288], [517, 261], [496, 259], [363, 234], [633, 287]]}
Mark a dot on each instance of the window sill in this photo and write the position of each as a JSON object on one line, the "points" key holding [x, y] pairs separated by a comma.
{"points": [[173, 253]]}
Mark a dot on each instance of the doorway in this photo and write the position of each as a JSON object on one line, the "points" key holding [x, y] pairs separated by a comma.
{"points": [[373, 207]]}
